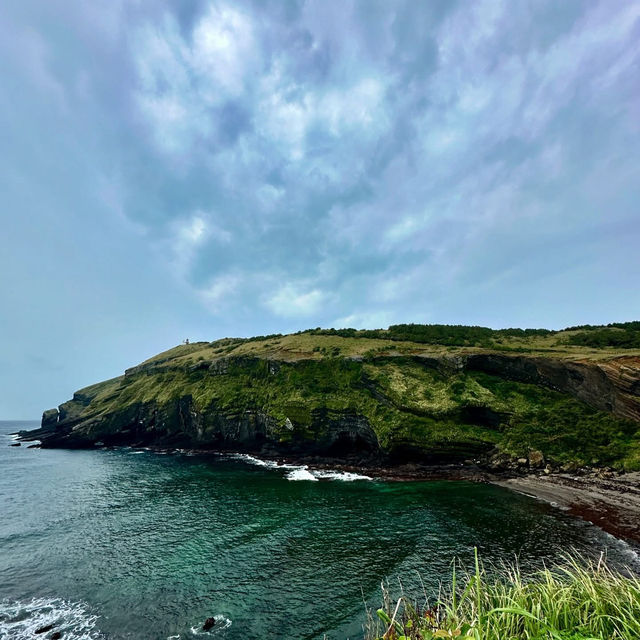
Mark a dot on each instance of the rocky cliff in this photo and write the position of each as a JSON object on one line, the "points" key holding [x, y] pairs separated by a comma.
{"points": [[611, 385], [357, 397]]}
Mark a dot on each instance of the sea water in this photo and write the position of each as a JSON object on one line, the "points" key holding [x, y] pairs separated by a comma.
{"points": [[124, 543]]}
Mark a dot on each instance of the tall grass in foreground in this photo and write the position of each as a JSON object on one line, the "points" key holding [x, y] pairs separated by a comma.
{"points": [[577, 600]]}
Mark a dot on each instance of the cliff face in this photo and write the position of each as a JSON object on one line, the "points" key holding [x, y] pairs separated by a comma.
{"points": [[397, 401], [180, 423], [610, 385]]}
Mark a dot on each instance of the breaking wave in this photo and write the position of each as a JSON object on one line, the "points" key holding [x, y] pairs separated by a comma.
{"points": [[298, 472], [23, 620]]}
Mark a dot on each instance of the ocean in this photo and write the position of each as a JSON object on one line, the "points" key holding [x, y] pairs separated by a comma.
{"points": [[132, 544]]}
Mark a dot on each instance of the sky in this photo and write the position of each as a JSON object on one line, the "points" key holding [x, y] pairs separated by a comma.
{"points": [[208, 169]]}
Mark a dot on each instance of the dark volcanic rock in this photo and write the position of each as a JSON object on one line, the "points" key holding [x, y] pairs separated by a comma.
{"points": [[44, 629], [209, 623], [50, 417]]}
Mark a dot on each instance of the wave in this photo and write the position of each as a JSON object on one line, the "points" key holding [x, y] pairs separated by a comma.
{"points": [[301, 473], [298, 472], [21, 620], [630, 554], [15, 437], [245, 457], [345, 476]]}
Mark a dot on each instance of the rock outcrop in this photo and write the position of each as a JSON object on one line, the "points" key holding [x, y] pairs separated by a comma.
{"points": [[610, 385]]}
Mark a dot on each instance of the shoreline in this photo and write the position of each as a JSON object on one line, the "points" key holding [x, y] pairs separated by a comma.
{"points": [[610, 501], [612, 504]]}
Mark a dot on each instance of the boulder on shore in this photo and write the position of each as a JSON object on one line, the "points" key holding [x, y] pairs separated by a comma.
{"points": [[536, 459]]}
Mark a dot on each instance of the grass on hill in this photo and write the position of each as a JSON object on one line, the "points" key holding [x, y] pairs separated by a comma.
{"points": [[584, 342], [406, 404], [578, 600]]}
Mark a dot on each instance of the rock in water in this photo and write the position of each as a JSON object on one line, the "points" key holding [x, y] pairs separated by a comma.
{"points": [[47, 627], [55, 636], [15, 444], [208, 624]]}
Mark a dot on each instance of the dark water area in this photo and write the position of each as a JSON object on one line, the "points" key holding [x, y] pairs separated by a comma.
{"points": [[127, 544]]}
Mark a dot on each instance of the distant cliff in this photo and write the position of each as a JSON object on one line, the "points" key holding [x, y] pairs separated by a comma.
{"points": [[406, 394]]}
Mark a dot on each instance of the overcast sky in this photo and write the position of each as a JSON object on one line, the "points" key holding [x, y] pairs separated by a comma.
{"points": [[209, 169]]}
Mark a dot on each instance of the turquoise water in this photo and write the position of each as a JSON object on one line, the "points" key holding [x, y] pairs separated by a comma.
{"points": [[127, 544]]}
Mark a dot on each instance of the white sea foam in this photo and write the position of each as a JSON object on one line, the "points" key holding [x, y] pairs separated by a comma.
{"points": [[245, 457], [630, 554], [221, 623], [21, 620], [301, 473], [298, 471], [345, 476]]}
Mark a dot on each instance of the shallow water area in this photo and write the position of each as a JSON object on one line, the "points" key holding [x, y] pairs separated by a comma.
{"points": [[128, 544]]}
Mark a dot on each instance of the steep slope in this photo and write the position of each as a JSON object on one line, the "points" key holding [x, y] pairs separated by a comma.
{"points": [[370, 395]]}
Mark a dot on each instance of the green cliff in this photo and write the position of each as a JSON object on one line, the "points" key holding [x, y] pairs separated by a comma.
{"points": [[411, 392]]}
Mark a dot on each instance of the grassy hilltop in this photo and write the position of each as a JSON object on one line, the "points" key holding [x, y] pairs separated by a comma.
{"points": [[411, 391]]}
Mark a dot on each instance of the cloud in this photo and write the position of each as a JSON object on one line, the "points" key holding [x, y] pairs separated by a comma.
{"points": [[367, 320], [222, 50], [182, 81], [265, 167], [217, 295], [293, 300], [189, 236]]}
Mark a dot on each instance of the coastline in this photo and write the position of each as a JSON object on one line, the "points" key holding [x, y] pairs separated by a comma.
{"points": [[609, 500], [613, 504]]}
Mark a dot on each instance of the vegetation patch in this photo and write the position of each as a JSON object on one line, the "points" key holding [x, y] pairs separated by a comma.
{"points": [[578, 600], [410, 404]]}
